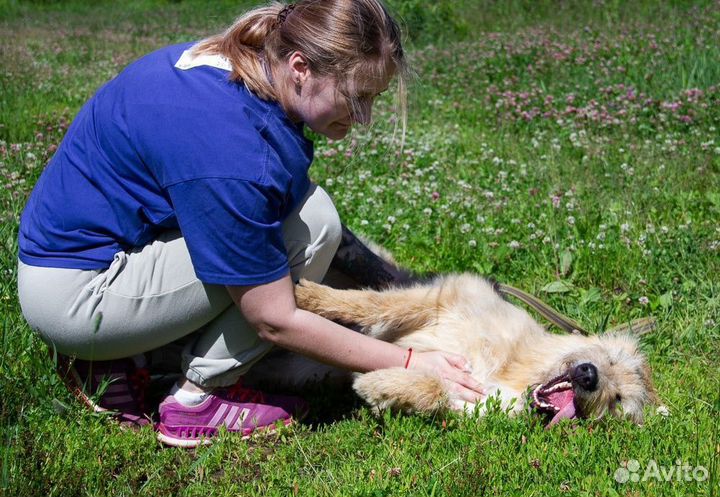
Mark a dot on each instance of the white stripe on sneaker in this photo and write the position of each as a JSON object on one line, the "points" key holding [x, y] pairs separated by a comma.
{"points": [[237, 426], [218, 415], [230, 418], [116, 387]]}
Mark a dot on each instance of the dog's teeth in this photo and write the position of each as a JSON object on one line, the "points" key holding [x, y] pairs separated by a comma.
{"points": [[560, 386]]}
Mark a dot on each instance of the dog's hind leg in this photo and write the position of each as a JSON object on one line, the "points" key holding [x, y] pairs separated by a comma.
{"points": [[402, 390], [382, 314]]}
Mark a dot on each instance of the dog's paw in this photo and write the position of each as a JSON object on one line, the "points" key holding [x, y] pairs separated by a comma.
{"points": [[401, 389], [309, 295]]}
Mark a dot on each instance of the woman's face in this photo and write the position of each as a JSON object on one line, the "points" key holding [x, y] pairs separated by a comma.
{"points": [[327, 111], [318, 103]]}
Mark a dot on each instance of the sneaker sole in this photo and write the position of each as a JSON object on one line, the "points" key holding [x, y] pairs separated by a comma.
{"points": [[185, 443]]}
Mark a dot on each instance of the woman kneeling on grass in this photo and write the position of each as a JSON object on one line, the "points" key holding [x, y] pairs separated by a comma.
{"points": [[179, 203]]}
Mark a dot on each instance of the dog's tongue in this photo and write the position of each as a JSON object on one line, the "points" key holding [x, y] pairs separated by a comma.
{"points": [[563, 400]]}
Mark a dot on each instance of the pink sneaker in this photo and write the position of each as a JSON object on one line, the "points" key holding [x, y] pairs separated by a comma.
{"points": [[120, 384], [239, 409]]}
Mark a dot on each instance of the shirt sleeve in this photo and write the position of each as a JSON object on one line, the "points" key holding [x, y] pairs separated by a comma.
{"points": [[233, 230]]}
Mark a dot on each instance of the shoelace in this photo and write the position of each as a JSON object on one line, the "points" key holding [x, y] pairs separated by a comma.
{"points": [[243, 394], [139, 381]]}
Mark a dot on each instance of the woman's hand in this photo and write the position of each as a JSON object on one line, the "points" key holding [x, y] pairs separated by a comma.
{"points": [[454, 370]]}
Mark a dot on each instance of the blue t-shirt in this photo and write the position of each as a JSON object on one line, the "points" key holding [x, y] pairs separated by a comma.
{"points": [[163, 147]]}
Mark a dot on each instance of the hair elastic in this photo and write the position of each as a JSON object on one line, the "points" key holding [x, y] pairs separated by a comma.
{"points": [[283, 14]]}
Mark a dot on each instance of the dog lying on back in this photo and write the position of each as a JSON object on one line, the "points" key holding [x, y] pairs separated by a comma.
{"points": [[512, 356]]}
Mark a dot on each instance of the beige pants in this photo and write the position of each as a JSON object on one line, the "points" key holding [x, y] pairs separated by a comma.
{"points": [[150, 297]]}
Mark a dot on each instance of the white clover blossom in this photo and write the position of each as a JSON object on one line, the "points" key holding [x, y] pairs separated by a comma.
{"points": [[663, 411]]}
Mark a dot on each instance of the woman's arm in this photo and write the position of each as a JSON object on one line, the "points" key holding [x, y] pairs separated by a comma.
{"points": [[271, 309]]}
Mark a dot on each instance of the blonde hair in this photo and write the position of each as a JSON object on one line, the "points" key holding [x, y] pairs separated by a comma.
{"points": [[350, 40]]}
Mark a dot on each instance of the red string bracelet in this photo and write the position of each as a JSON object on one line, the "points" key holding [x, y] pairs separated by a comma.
{"points": [[407, 363]]}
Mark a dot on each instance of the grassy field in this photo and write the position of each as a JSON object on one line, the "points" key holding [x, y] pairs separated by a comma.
{"points": [[568, 148]]}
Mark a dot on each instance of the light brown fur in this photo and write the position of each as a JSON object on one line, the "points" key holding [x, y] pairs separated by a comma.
{"points": [[509, 352]]}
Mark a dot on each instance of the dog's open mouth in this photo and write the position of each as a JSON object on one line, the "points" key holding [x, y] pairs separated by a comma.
{"points": [[555, 399]]}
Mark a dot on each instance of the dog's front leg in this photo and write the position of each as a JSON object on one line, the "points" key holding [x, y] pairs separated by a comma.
{"points": [[387, 311]]}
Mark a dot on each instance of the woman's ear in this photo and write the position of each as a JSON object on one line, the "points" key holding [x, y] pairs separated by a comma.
{"points": [[299, 69]]}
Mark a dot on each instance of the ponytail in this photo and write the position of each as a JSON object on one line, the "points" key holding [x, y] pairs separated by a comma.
{"points": [[243, 45]]}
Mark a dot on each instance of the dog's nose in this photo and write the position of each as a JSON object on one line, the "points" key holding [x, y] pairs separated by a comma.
{"points": [[585, 375]]}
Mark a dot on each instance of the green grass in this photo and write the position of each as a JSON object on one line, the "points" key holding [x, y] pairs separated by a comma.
{"points": [[611, 186]]}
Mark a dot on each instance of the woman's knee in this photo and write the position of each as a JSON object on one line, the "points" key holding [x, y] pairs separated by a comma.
{"points": [[312, 235], [314, 221], [325, 215]]}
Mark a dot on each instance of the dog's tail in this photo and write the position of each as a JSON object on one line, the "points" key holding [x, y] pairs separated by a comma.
{"points": [[402, 389]]}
